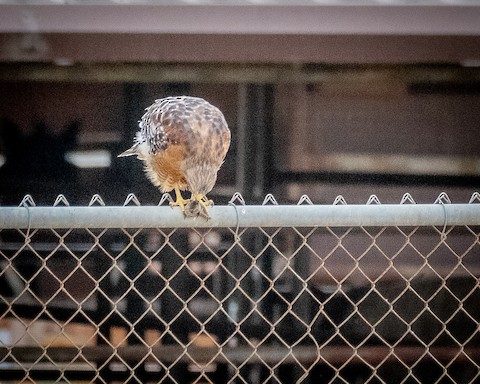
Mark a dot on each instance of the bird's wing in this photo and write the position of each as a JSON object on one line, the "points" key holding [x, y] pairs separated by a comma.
{"points": [[163, 125]]}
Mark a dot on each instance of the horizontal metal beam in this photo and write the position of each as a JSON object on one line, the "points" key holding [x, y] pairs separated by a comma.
{"points": [[241, 216], [239, 354], [327, 19], [280, 73]]}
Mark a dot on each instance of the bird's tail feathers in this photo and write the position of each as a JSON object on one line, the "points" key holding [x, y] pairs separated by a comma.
{"points": [[129, 152]]}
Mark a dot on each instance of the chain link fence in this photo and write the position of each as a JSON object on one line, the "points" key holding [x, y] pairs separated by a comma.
{"points": [[257, 294]]}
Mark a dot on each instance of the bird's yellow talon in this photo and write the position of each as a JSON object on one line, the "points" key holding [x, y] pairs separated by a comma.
{"points": [[179, 200], [182, 204], [203, 200]]}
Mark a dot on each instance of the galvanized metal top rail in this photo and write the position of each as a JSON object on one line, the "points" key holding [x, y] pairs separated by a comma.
{"points": [[305, 214]]}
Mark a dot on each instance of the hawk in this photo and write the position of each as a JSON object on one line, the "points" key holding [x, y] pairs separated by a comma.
{"points": [[182, 141]]}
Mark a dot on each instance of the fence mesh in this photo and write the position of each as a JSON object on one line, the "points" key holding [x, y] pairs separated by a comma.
{"points": [[379, 304]]}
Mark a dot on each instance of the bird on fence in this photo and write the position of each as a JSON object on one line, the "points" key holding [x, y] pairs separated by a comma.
{"points": [[183, 142]]}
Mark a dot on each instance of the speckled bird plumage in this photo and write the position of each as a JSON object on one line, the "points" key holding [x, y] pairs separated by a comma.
{"points": [[182, 141]]}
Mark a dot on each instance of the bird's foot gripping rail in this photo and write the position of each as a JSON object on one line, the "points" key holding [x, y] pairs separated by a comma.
{"points": [[197, 206], [194, 207]]}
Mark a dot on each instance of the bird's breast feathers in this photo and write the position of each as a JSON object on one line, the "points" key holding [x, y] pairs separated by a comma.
{"points": [[165, 169]]}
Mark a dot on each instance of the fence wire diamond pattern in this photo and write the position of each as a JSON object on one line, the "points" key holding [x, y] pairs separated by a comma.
{"points": [[240, 304]]}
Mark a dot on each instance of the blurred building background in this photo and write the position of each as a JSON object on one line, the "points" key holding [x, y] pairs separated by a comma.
{"points": [[324, 97]]}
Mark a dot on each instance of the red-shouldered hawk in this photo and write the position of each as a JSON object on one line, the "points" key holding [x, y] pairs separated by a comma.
{"points": [[183, 141]]}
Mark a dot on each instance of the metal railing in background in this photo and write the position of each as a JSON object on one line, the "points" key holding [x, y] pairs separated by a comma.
{"points": [[257, 294]]}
